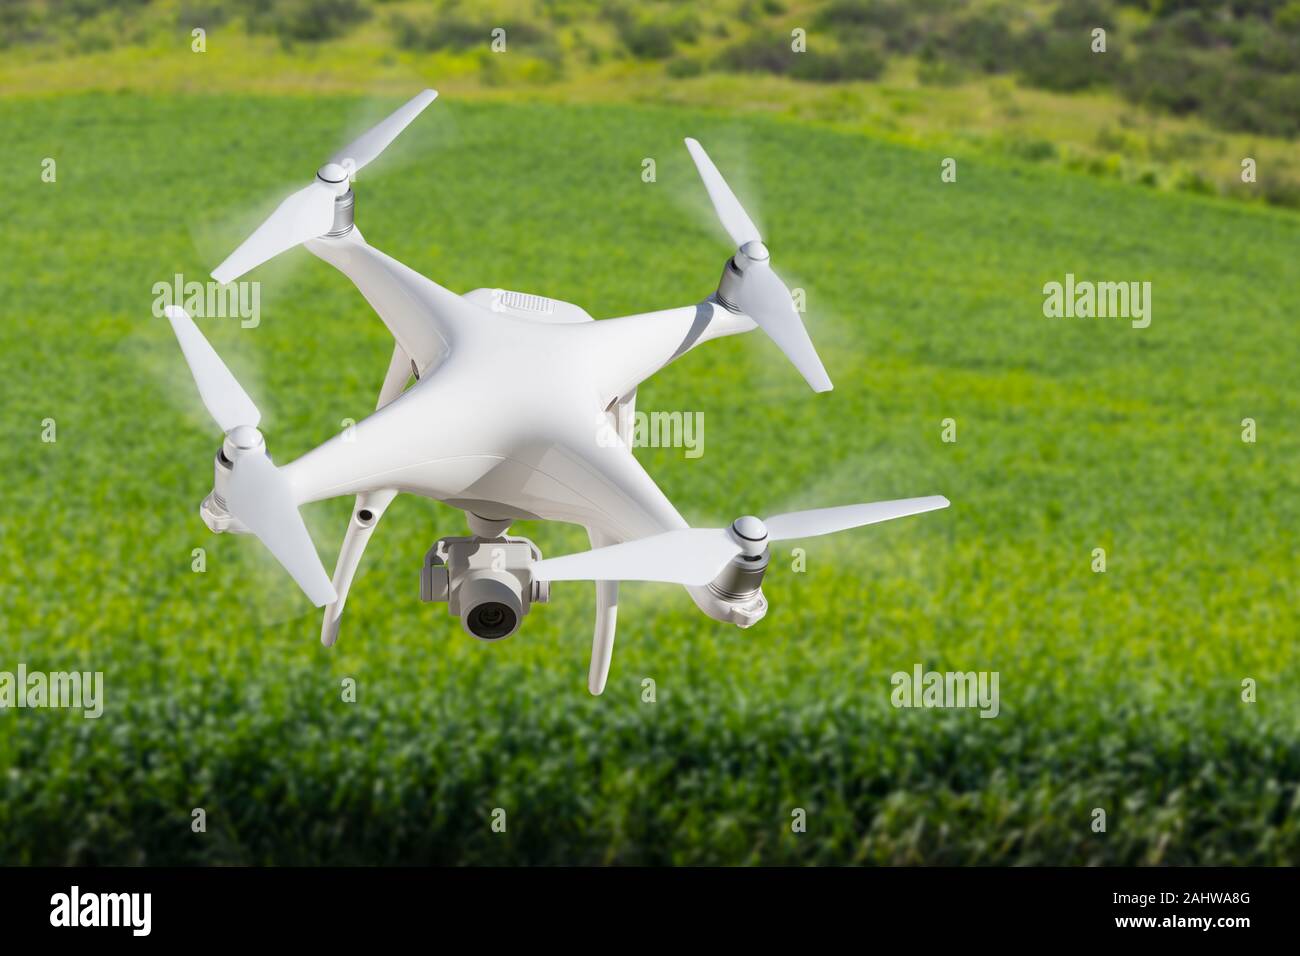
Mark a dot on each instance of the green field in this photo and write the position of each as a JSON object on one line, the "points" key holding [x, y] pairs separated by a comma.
{"points": [[1119, 690]]}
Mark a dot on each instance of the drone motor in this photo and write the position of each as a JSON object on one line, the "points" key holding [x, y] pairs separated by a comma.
{"points": [[740, 579]]}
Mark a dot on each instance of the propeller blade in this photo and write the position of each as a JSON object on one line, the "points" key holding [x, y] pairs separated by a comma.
{"points": [[223, 396], [695, 556], [306, 214], [809, 524], [686, 556], [374, 141], [260, 497], [734, 218], [766, 300]]}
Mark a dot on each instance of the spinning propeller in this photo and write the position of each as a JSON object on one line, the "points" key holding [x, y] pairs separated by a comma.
{"points": [[258, 494], [761, 294], [695, 556], [309, 212]]}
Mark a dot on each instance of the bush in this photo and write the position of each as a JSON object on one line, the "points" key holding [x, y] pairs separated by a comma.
{"points": [[648, 39], [308, 21], [78, 25], [89, 9], [1033, 150], [1082, 16], [895, 23], [1264, 48], [1287, 19], [1062, 60], [651, 37], [940, 71], [759, 54], [20, 24], [201, 13], [683, 66], [449, 32], [982, 42], [1253, 102], [452, 31], [825, 64], [1281, 191], [858, 61], [1189, 180], [1188, 28]]}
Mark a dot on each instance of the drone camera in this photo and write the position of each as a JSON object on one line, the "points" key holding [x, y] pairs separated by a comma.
{"points": [[486, 582], [491, 604]]}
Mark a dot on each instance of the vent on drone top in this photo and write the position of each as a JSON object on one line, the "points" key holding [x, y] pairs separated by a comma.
{"points": [[524, 302]]}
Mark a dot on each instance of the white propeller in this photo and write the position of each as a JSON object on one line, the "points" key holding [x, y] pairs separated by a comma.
{"points": [[309, 212], [259, 495], [762, 296], [734, 218], [224, 398], [695, 556], [306, 214], [367, 147]]}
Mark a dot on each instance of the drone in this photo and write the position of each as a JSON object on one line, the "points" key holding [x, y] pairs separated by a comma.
{"points": [[520, 410]]}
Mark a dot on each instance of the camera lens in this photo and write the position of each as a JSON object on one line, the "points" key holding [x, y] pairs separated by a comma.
{"points": [[491, 605], [491, 620]]}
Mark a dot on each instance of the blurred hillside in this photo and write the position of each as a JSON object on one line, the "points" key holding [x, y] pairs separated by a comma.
{"points": [[1185, 90]]}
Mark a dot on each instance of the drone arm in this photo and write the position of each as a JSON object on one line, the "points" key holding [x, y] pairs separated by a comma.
{"points": [[395, 379], [629, 350], [422, 316], [625, 503]]}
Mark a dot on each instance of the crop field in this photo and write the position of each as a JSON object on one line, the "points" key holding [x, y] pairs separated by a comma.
{"points": [[1120, 690]]}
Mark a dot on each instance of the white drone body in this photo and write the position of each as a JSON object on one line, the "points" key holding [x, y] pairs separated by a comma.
{"points": [[519, 411]]}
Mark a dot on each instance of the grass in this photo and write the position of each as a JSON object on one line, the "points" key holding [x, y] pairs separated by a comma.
{"points": [[1119, 690]]}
